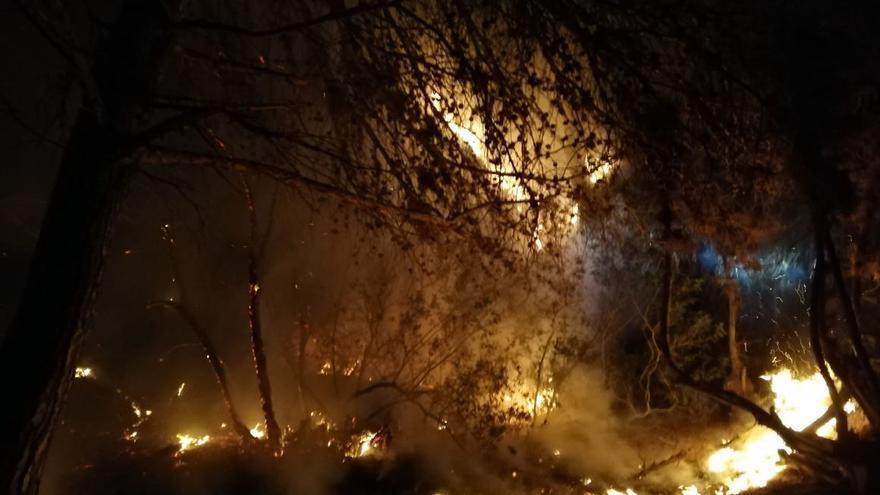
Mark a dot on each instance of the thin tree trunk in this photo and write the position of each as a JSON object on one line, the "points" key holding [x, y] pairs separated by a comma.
{"points": [[868, 394], [216, 363], [817, 328], [666, 289], [273, 431], [208, 347], [737, 381]]}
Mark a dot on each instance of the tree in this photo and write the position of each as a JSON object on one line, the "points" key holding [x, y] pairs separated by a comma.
{"points": [[221, 98], [494, 123]]}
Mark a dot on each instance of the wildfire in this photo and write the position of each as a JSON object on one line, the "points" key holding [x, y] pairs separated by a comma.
{"points": [[258, 431], [325, 368], [470, 131], [535, 403], [757, 460], [319, 419], [363, 444], [188, 442], [81, 372]]}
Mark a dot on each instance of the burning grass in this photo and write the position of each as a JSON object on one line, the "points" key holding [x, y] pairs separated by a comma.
{"points": [[321, 458]]}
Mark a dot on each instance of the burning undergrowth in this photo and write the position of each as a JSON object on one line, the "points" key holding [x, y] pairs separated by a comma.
{"points": [[574, 445]]}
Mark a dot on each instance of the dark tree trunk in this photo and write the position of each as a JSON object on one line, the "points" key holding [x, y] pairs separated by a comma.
{"points": [[817, 331], [44, 340]]}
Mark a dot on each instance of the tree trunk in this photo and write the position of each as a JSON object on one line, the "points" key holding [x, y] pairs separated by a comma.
{"points": [[44, 340], [216, 363], [182, 308], [738, 380], [817, 330], [273, 431], [43, 343]]}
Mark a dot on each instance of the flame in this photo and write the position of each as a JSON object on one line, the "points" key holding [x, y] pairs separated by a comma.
{"points": [[363, 444], [350, 369], [319, 419], [82, 372], [756, 460], [470, 131], [188, 442], [599, 171], [325, 368], [533, 402], [258, 431], [612, 491]]}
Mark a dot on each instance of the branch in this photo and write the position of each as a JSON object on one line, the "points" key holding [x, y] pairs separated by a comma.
{"points": [[205, 25], [164, 155]]}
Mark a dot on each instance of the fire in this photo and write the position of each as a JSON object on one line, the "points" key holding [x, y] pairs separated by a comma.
{"points": [[612, 491], [188, 442], [470, 131], [82, 372], [600, 171], [258, 431], [319, 419], [325, 368], [756, 460], [363, 444], [535, 403]]}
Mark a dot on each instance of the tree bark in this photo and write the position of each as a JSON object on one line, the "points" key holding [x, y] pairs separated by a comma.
{"points": [[817, 330], [273, 431], [738, 380], [43, 343]]}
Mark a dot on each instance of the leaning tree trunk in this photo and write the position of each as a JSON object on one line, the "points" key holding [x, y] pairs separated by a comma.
{"points": [[44, 340]]}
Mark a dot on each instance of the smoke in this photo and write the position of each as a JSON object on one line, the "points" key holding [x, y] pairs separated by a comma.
{"points": [[468, 343], [586, 432]]}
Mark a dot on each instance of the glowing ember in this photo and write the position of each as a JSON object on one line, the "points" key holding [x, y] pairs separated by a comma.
{"points": [[363, 444], [318, 419], [258, 431], [756, 460], [629, 491], [80, 372], [188, 442], [180, 388], [350, 369], [534, 403]]}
